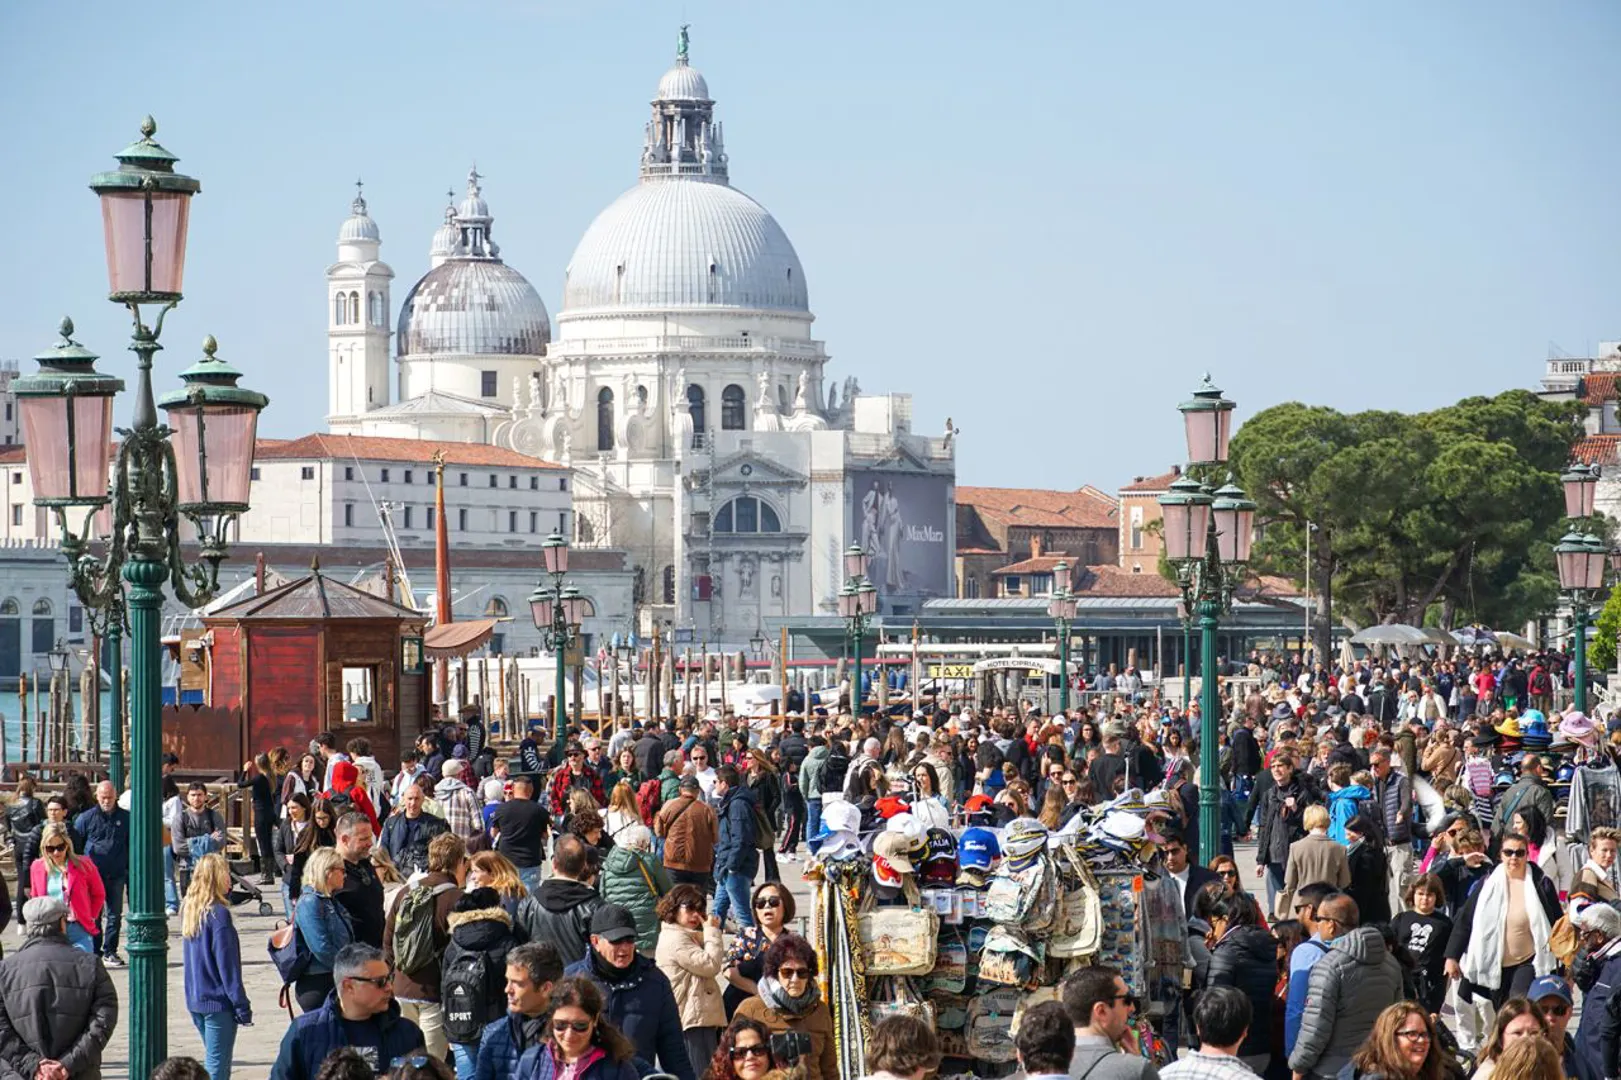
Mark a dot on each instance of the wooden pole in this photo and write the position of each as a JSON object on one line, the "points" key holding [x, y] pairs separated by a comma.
{"points": [[782, 672], [615, 693], [703, 680], [22, 713]]}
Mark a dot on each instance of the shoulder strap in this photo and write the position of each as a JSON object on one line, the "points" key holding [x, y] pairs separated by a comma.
{"points": [[1101, 1059]]}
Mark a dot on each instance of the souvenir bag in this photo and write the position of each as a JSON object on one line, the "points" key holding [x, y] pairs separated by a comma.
{"points": [[950, 1011], [950, 973], [899, 940], [1022, 897], [989, 1033], [953, 1045], [976, 949], [898, 996], [1010, 959], [1078, 928]]}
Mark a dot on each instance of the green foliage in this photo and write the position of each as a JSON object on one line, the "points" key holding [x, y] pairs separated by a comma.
{"points": [[1601, 653], [1455, 509]]}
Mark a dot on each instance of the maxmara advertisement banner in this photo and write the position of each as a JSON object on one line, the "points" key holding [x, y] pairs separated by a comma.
{"points": [[900, 519]]}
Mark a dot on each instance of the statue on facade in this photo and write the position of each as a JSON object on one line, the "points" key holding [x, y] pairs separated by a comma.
{"points": [[802, 394], [762, 400], [536, 401]]}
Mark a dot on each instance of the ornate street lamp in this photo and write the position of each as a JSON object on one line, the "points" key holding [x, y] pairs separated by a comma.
{"points": [[1207, 539], [1062, 609], [1581, 558], [197, 467], [557, 611], [858, 602], [1581, 488]]}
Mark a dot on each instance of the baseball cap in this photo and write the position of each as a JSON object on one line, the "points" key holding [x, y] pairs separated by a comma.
{"points": [[940, 862], [613, 923], [838, 817], [895, 849], [890, 805], [978, 848], [1550, 986]]}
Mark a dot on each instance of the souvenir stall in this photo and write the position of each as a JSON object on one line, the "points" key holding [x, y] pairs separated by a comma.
{"points": [[968, 928]]}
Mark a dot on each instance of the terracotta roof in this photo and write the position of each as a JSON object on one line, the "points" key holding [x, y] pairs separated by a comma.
{"points": [[373, 448], [1599, 387], [1111, 580], [13, 455], [1086, 508], [1597, 450], [1152, 483], [978, 551], [1039, 564]]}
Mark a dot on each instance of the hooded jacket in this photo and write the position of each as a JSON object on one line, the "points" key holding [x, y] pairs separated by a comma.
{"points": [[635, 880], [406, 840], [562, 916], [642, 1006], [56, 1003], [314, 1035], [735, 852], [1345, 992], [504, 1042], [1247, 958], [1343, 805], [344, 775], [487, 931], [810, 772]]}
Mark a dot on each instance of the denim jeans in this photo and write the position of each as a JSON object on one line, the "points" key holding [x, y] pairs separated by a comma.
{"points": [[171, 898], [286, 899], [218, 1030], [81, 939], [466, 1058], [530, 876], [732, 891], [813, 823], [112, 919]]}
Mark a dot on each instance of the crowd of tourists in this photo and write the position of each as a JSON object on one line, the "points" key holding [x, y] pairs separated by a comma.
{"points": [[1435, 891]]}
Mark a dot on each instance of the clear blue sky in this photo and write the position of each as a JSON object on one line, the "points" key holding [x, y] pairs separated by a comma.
{"points": [[1043, 219]]}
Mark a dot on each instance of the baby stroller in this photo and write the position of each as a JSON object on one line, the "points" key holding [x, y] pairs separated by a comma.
{"points": [[242, 890]]}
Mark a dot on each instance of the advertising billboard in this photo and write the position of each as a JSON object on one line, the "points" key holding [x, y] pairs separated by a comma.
{"points": [[901, 519]]}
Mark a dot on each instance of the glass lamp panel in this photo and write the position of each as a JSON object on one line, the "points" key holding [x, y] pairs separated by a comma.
{"points": [[574, 609], [1061, 577], [1579, 492], [1201, 434], [1571, 573], [847, 604], [123, 215], [222, 444], [1177, 530], [1594, 567], [555, 552], [1245, 534], [1224, 434], [1198, 527], [868, 599], [45, 433], [541, 609], [1226, 534], [856, 562]]}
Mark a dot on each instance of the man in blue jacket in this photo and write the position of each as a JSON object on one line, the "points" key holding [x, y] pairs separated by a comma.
{"points": [[360, 1013], [736, 857], [105, 829], [532, 969], [639, 999]]}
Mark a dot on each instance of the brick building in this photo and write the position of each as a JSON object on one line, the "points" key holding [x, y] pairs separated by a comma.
{"points": [[999, 528]]}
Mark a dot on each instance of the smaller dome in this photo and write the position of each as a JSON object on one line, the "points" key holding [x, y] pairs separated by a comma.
{"points": [[360, 226], [473, 206], [448, 235], [683, 83]]}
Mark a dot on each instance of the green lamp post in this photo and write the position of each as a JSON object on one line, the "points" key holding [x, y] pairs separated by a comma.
{"points": [[558, 610], [858, 602], [195, 466], [1581, 558], [1062, 607], [1207, 539]]}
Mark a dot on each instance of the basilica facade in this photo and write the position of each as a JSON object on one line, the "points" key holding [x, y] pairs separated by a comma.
{"points": [[682, 384]]}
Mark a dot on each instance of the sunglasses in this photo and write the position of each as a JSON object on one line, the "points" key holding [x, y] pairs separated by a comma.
{"points": [[417, 1061], [741, 1052], [1228, 873], [579, 1027], [1555, 1008], [689, 907], [1129, 1000], [793, 973], [1508, 853], [767, 902], [381, 981], [574, 754], [54, 848]]}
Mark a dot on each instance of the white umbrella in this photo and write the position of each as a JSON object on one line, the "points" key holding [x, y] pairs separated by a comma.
{"points": [[1389, 634]]}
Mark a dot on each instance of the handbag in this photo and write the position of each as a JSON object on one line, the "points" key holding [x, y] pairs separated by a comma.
{"points": [[897, 996], [899, 940]]}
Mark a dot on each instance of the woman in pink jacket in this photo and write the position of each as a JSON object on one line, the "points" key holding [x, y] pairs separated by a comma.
{"points": [[72, 879]]}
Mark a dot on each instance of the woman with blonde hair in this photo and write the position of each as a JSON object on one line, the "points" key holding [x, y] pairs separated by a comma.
{"points": [[1401, 1046], [72, 879], [324, 925], [388, 873], [492, 870], [211, 958], [1052, 808], [1530, 1059], [622, 813]]}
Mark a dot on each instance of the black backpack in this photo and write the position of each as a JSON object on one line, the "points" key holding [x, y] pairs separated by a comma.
{"points": [[466, 996], [834, 770]]}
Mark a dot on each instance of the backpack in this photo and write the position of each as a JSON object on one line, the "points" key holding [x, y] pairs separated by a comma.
{"points": [[649, 797], [765, 837], [833, 772], [990, 1024], [466, 996], [289, 952], [414, 947], [341, 803]]}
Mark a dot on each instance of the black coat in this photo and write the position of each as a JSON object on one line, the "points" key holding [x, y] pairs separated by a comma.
{"points": [[1247, 958], [1369, 887], [1245, 752], [1280, 826], [56, 1003], [487, 931]]}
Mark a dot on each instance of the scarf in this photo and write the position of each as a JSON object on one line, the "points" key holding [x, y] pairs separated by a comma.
{"points": [[606, 972], [778, 999], [579, 1066], [1482, 960]]}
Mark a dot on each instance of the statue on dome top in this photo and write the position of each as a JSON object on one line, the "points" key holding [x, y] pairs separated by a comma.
{"points": [[681, 42]]}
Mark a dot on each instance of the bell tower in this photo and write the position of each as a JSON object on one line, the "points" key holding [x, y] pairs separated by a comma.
{"points": [[357, 319]]}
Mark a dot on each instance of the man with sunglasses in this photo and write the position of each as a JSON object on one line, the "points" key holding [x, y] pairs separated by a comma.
{"points": [[1551, 994], [1320, 934], [637, 994], [1100, 1005], [360, 1013], [575, 773]]}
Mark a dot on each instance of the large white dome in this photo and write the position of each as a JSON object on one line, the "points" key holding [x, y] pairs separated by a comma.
{"points": [[681, 243], [474, 307]]}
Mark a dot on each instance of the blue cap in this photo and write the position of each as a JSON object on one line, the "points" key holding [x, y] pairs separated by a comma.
{"points": [[978, 848], [1549, 986]]}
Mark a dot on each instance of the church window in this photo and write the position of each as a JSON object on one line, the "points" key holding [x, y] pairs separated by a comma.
{"points": [[378, 317], [340, 308], [486, 383], [731, 408], [747, 514], [354, 307], [695, 405], [605, 419]]}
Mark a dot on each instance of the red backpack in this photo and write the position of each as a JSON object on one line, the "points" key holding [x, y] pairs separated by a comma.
{"points": [[649, 797]]}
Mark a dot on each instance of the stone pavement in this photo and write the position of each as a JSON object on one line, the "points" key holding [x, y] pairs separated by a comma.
{"points": [[256, 1046]]}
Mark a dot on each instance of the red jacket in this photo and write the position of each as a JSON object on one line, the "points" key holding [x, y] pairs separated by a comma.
{"points": [[564, 779], [344, 774], [81, 888]]}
